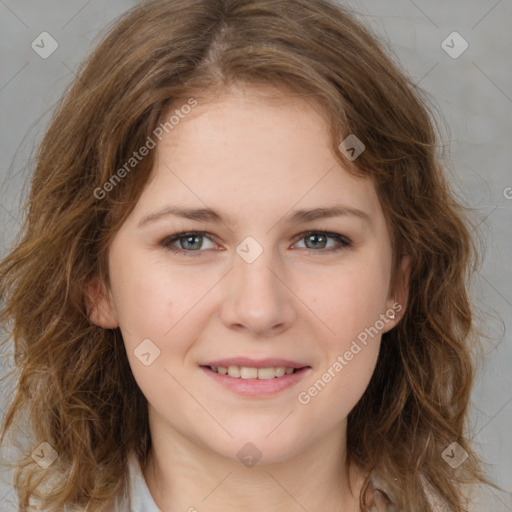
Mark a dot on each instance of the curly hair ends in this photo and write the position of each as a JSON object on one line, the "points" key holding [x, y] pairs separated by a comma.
{"points": [[75, 384]]}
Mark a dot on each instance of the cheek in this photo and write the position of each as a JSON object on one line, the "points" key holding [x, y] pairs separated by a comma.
{"points": [[339, 384], [350, 382], [353, 307], [151, 296], [160, 311], [351, 300]]}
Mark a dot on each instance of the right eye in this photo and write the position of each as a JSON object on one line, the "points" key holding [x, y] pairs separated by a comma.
{"points": [[189, 242]]}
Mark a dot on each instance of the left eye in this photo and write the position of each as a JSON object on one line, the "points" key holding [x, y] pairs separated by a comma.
{"points": [[193, 241], [314, 236]]}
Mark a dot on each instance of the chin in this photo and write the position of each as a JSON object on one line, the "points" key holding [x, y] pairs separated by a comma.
{"points": [[260, 448]]}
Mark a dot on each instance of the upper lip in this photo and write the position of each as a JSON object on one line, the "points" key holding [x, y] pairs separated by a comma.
{"points": [[255, 363]]}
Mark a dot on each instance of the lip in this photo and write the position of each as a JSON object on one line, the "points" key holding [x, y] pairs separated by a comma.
{"points": [[255, 363], [257, 387]]}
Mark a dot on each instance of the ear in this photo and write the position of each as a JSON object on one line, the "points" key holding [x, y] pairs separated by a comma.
{"points": [[397, 302], [100, 307]]}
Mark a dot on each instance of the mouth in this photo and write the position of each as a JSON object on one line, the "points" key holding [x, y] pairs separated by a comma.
{"points": [[256, 382], [248, 372]]}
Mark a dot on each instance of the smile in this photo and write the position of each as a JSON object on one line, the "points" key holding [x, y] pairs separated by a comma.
{"points": [[249, 382], [245, 372]]}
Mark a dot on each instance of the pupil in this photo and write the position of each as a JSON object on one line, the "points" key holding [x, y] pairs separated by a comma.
{"points": [[191, 238], [315, 237]]}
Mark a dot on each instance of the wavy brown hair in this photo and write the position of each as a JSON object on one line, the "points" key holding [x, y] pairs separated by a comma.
{"points": [[75, 389]]}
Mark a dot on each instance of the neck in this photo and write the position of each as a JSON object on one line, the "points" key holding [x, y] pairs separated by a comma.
{"points": [[183, 476]]}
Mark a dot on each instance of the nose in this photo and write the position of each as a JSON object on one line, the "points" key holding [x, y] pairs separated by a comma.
{"points": [[256, 297]]}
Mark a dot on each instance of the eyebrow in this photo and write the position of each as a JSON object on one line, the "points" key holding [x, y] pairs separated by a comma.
{"points": [[295, 217]]}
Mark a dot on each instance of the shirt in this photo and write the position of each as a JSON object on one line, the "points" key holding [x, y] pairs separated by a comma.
{"points": [[140, 499]]}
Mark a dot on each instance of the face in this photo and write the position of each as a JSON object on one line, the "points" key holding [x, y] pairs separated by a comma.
{"points": [[262, 283]]}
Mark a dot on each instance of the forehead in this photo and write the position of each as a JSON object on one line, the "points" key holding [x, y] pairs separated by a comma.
{"points": [[249, 149], [238, 108]]}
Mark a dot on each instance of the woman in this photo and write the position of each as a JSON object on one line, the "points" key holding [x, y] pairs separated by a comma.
{"points": [[243, 277]]}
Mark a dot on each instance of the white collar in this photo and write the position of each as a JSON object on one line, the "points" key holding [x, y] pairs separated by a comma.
{"points": [[140, 499]]}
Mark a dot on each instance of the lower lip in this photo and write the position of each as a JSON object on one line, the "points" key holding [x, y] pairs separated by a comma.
{"points": [[257, 387]]}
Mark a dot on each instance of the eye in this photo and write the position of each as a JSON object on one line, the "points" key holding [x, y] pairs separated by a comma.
{"points": [[319, 239], [189, 242], [192, 242]]}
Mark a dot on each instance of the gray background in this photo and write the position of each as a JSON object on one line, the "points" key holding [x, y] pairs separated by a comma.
{"points": [[473, 92]]}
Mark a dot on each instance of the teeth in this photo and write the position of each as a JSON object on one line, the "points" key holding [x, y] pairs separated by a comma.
{"points": [[244, 372], [281, 370], [248, 373], [266, 373], [234, 371]]}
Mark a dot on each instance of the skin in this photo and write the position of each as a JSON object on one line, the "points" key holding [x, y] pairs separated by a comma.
{"points": [[255, 161]]}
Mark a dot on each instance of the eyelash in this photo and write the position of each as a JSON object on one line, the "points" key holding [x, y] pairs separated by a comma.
{"points": [[344, 242]]}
